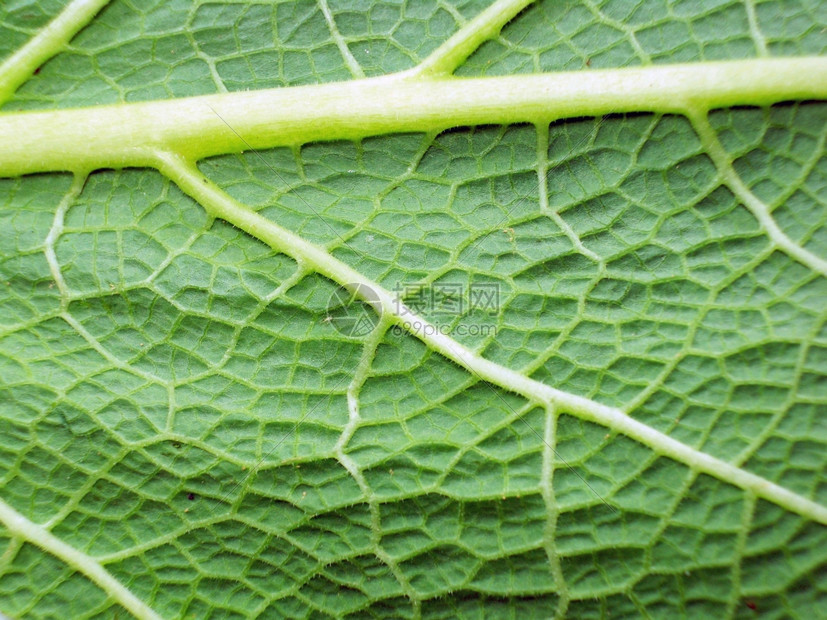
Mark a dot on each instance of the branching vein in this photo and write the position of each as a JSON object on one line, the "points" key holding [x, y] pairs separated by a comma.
{"points": [[19, 66], [451, 54], [761, 211], [219, 204], [351, 62]]}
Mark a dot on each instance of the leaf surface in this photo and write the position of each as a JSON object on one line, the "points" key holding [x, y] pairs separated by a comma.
{"points": [[188, 430]]}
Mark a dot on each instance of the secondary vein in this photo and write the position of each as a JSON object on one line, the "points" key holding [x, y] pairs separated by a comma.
{"points": [[757, 207], [220, 204], [19, 66], [20, 526]]}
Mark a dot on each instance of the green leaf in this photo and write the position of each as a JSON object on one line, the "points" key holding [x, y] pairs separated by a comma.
{"points": [[465, 309]]}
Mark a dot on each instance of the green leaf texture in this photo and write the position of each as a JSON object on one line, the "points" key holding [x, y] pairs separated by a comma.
{"points": [[178, 409]]}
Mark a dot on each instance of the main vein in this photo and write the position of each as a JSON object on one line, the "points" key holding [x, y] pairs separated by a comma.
{"points": [[123, 135]]}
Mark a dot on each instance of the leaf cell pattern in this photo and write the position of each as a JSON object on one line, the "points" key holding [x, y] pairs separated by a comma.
{"points": [[179, 411]]}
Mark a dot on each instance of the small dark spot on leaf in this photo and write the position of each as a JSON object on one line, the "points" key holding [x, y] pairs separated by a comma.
{"points": [[36, 71], [176, 445], [588, 62], [752, 605], [191, 496], [205, 180]]}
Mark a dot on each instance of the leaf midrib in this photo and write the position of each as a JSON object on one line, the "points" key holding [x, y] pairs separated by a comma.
{"points": [[127, 134]]}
